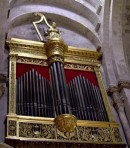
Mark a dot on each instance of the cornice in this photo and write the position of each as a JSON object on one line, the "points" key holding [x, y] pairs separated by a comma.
{"points": [[29, 46]]}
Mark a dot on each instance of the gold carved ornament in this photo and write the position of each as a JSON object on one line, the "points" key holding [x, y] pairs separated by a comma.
{"points": [[54, 46]]}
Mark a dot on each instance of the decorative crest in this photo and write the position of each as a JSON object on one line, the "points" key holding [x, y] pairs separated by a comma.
{"points": [[50, 33]]}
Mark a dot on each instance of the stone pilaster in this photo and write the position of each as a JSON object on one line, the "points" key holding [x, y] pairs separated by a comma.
{"points": [[119, 106], [124, 88]]}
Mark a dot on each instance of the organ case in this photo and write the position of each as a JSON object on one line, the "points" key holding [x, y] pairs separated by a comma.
{"points": [[32, 108]]}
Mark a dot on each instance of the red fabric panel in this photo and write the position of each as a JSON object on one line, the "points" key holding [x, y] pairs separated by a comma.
{"points": [[91, 76], [23, 68], [44, 71]]}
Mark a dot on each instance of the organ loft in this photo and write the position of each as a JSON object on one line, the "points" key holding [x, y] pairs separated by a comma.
{"points": [[56, 95]]}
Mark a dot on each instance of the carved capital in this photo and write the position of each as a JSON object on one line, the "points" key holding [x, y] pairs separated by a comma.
{"points": [[123, 84], [112, 89], [55, 48]]}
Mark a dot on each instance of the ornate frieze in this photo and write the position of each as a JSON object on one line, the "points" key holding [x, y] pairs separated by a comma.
{"points": [[93, 134], [78, 66], [12, 128], [26, 60], [86, 131], [33, 49], [36, 130]]}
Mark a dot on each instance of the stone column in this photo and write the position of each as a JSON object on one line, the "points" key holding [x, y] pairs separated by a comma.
{"points": [[119, 106], [124, 87]]}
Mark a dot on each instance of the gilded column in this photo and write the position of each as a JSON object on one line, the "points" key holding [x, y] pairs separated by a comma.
{"points": [[12, 85], [119, 106], [55, 49]]}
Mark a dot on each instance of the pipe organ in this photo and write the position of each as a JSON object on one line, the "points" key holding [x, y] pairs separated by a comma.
{"points": [[57, 97]]}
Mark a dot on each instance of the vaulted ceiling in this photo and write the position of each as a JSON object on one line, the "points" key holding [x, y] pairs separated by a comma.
{"points": [[78, 20]]}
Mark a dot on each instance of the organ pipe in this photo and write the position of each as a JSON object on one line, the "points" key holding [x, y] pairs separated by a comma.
{"points": [[86, 100], [60, 92], [33, 95]]}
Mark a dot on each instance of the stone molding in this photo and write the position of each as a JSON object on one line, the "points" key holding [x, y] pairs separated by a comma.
{"points": [[123, 84], [112, 89], [117, 101]]}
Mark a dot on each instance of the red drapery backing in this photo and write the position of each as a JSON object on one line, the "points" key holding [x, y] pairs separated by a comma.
{"points": [[91, 76], [23, 68], [44, 71]]}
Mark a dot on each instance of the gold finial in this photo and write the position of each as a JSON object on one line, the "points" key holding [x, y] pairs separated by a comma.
{"points": [[51, 33]]}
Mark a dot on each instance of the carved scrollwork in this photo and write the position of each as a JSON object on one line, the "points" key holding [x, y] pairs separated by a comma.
{"points": [[95, 134], [32, 61], [55, 58], [78, 66], [105, 133], [116, 134], [12, 128], [12, 91], [73, 136], [33, 130]]}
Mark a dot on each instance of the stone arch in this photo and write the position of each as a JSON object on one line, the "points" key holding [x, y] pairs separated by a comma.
{"points": [[62, 21]]}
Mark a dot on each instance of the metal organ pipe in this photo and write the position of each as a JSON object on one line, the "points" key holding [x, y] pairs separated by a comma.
{"points": [[30, 93], [65, 87], [56, 91], [85, 97], [86, 100], [22, 97], [59, 87], [33, 95], [98, 107], [104, 113]]}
